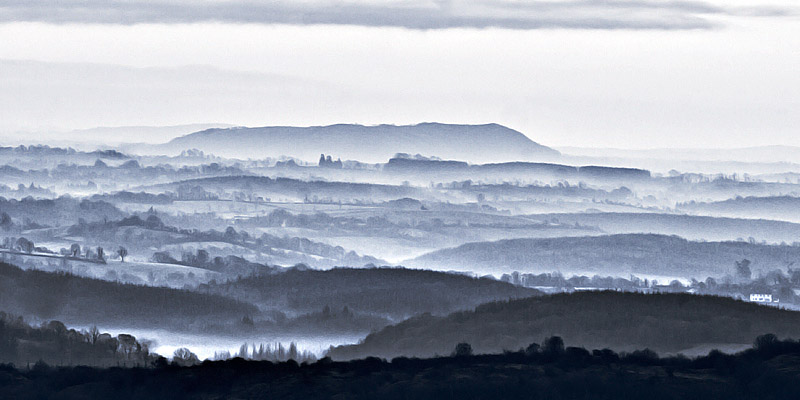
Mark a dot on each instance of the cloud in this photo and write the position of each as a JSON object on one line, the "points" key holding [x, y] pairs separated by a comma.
{"points": [[412, 14]]}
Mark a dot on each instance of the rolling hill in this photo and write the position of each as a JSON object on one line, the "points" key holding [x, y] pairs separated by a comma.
{"points": [[77, 300], [621, 321], [617, 255], [395, 293], [692, 227]]}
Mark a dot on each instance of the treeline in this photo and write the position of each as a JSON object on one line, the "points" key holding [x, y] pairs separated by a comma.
{"points": [[30, 213], [299, 189], [79, 300], [380, 225], [229, 265], [557, 280], [160, 234], [44, 151], [619, 320], [739, 284], [767, 371], [268, 352], [53, 343]]}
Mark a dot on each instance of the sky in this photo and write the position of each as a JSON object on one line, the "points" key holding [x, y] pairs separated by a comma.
{"points": [[587, 73]]}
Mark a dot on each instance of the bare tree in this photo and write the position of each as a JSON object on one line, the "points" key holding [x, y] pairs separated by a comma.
{"points": [[94, 334]]}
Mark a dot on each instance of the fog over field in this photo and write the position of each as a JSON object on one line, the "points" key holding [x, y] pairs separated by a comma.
{"points": [[324, 252], [411, 199]]}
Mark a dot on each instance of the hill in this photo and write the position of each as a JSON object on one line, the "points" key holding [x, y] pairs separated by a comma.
{"points": [[405, 164], [618, 320], [76, 300], [772, 207], [617, 255], [692, 227], [477, 143], [395, 293]]}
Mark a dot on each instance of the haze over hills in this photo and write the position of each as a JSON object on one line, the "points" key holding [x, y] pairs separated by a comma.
{"points": [[476, 143], [757, 154], [618, 255]]}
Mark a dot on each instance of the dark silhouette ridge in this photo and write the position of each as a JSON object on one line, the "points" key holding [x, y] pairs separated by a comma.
{"points": [[619, 320], [552, 371]]}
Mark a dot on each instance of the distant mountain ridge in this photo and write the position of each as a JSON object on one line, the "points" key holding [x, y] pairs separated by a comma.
{"points": [[475, 143]]}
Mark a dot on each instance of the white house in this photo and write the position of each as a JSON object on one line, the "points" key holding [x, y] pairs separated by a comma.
{"points": [[761, 298]]}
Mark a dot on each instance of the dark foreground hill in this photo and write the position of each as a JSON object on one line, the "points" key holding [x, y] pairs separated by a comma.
{"points": [[768, 371], [663, 322], [611, 254], [395, 293], [77, 300], [479, 143]]}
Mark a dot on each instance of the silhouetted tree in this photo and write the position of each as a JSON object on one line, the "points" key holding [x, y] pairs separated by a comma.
{"points": [[122, 253], [553, 345], [463, 350], [764, 342], [184, 357], [94, 334]]}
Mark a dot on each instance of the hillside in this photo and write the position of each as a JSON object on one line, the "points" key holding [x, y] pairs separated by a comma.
{"points": [[288, 189], [772, 207], [392, 292], [621, 321], [617, 255], [76, 300], [692, 227], [477, 143]]}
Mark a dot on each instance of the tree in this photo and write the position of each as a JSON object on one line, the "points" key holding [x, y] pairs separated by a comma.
{"points": [[463, 350], [122, 253], [202, 257], [94, 334], [127, 344], [532, 349], [25, 245], [5, 221], [765, 342], [743, 269], [75, 250], [184, 357], [553, 345]]}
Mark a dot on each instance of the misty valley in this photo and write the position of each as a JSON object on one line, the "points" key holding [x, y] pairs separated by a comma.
{"points": [[467, 249]]}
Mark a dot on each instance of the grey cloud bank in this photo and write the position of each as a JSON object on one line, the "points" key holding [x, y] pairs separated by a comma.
{"points": [[624, 14]]}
